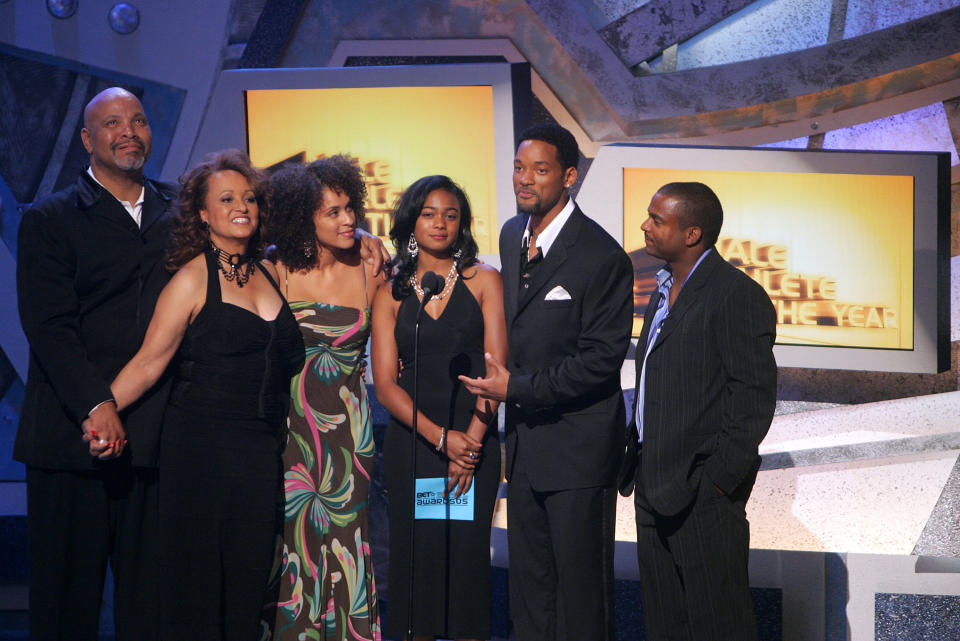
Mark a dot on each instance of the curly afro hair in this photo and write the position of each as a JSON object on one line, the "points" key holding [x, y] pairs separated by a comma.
{"points": [[297, 192]]}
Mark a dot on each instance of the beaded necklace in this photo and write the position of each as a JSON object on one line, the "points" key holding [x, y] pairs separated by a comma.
{"points": [[234, 267], [447, 288]]}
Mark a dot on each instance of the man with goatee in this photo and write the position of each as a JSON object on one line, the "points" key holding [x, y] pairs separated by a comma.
{"points": [[88, 274], [568, 298]]}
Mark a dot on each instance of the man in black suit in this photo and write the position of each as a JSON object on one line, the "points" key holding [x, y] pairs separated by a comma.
{"points": [[568, 301], [88, 275], [706, 388]]}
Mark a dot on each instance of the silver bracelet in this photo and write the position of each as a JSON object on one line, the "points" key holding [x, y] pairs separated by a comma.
{"points": [[102, 403], [443, 439]]}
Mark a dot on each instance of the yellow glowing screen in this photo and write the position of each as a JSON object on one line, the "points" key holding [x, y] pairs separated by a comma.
{"points": [[833, 251], [397, 135]]}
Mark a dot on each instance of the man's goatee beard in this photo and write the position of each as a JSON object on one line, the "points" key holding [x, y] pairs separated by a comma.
{"points": [[133, 165]]}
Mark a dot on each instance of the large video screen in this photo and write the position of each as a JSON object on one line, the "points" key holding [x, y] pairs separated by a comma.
{"points": [[399, 123], [833, 251], [396, 135], [847, 244]]}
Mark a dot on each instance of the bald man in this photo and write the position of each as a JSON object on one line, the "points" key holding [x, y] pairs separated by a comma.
{"points": [[88, 275]]}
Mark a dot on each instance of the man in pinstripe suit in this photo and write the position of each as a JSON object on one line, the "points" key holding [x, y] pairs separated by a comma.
{"points": [[706, 386]]}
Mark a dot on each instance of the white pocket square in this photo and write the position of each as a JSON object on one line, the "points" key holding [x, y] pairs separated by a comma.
{"points": [[557, 293]]}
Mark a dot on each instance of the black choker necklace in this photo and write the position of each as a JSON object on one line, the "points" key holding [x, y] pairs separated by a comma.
{"points": [[234, 267]]}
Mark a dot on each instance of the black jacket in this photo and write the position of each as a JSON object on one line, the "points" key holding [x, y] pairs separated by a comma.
{"points": [[710, 386], [565, 416], [87, 282]]}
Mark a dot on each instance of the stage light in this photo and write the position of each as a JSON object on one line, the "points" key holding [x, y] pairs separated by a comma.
{"points": [[62, 8], [124, 18]]}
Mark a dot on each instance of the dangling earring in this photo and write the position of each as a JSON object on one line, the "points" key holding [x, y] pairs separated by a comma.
{"points": [[308, 248], [412, 247], [458, 255], [204, 225]]}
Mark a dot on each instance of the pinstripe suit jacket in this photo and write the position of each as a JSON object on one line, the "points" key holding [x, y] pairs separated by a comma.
{"points": [[710, 386]]}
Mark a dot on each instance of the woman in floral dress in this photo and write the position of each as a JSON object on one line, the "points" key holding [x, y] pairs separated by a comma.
{"points": [[326, 585]]}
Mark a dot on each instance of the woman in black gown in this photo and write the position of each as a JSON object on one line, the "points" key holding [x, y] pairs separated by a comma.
{"points": [[237, 345], [457, 437]]}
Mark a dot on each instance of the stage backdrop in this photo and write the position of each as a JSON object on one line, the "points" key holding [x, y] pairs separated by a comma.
{"points": [[395, 134], [833, 251], [400, 123], [852, 247]]}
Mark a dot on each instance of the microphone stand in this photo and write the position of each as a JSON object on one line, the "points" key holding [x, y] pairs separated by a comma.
{"points": [[431, 283]]}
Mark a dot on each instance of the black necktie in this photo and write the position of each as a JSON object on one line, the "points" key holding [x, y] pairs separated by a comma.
{"points": [[526, 262]]}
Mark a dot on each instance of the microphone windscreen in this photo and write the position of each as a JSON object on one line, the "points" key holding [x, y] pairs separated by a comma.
{"points": [[431, 283]]}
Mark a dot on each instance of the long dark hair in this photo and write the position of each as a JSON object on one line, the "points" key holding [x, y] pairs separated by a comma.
{"points": [[190, 236], [298, 193], [405, 217]]}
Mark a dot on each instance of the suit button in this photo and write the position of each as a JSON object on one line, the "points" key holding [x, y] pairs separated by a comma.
{"points": [[526, 285]]}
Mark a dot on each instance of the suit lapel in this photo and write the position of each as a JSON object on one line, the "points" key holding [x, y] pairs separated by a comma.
{"points": [[641, 350], [510, 263], [154, 205], [688, 294], [97, 201], [556, 257], [541, 276]]}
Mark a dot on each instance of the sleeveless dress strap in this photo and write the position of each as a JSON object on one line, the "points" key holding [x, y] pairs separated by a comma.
{"points": [[363, 270], [272, 282], [213, 278]]}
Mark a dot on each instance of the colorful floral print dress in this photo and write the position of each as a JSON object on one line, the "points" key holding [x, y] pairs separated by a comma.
{"points": [[326, 586]]}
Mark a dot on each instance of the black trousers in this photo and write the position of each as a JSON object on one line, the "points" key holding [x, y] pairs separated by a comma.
{"points": [[693, 567], [78, 522], [561, 562]]}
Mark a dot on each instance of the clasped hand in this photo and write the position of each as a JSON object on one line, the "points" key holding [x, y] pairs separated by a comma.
{"points": [[103, 432], [459, 478], [459, 448], [462, 449]]}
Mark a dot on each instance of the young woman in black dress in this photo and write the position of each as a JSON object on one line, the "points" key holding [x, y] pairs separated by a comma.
{"points": [[457, 435]]}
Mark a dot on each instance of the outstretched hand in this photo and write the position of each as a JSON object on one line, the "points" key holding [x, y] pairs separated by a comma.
{"points": [[372, 250], [494, 386]]}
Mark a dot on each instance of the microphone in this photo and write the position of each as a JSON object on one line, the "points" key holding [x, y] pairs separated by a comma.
{"points": [[431, 283]]}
